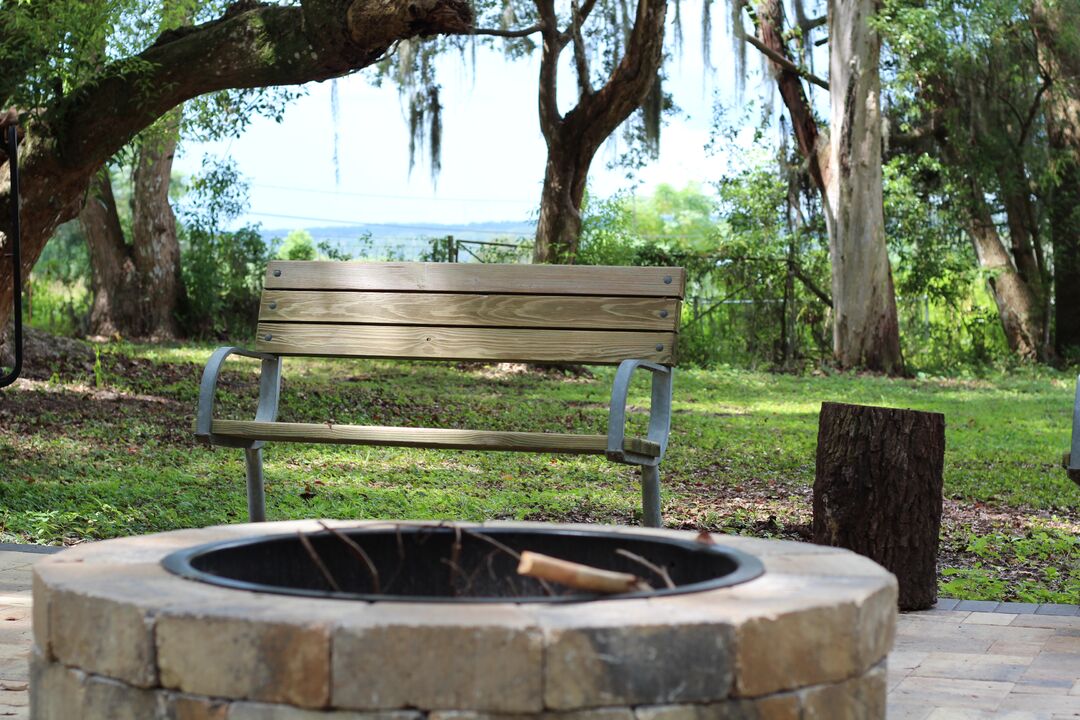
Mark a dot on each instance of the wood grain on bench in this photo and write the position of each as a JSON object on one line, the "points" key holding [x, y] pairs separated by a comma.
{"points": [[522, 311], [455, 343], [475, 278]]}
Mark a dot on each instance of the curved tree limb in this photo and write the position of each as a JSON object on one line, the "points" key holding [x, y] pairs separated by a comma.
{"points": [[600, 113], [769, 21], [267, 45], [549, 68], [581, 60], [579, 17], [251, 45], [786, 64], [496, 32]]}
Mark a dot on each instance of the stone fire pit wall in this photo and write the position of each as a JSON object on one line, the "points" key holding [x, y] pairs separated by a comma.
{"points": [[117, 637]]}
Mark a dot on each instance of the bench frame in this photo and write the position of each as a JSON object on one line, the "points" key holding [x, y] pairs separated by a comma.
{"points": [[270, 390]]}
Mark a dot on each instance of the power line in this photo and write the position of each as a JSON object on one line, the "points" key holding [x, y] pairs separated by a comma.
{"points": [[391, 197], [434, 228]]}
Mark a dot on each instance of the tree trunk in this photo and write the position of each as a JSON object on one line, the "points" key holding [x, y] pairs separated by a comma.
{"points": [[116, 308], [1020, 311], [559, 226], [1018, 308], [878, 491], [136, 287], [251, 45], [157, 250], [1057, 31], [1065, 229], [1023, 227], [866, 333], [573, 139], [846, 168]]}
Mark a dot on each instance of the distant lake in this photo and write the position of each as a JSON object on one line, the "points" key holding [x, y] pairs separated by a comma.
{"points": [[411, 242]]}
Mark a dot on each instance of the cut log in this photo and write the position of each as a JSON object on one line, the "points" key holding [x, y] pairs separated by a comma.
{"points": [[878, 491]]}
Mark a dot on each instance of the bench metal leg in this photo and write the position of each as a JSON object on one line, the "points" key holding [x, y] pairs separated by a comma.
{"points": [[255, 495], [650, 496]]}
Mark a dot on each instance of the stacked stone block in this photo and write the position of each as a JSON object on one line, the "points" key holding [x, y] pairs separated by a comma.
{"points": [[117, 636]]}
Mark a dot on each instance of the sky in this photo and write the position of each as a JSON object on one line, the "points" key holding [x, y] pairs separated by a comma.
{"points": [[493, 153]]}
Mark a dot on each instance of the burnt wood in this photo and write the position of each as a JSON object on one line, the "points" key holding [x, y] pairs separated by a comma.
{"points": [[878, 491]]}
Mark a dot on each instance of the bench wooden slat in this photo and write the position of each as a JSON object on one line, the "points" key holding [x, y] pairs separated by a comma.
{"points": [[476, 278], [426, 437], [541, 311], [449, 343]]}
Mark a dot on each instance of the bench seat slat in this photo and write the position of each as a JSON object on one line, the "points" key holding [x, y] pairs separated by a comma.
{"points": [[426, 437], [475, 278], [539, 311], [451, 343]]}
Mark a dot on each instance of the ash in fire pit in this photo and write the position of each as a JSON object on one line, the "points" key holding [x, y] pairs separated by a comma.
{"points": [[453, 563]]}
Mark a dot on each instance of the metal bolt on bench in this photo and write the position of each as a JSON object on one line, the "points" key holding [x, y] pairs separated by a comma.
{"points": [[453, 312]]}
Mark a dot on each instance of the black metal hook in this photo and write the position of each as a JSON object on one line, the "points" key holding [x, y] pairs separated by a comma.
{"points": [[15, 240]]}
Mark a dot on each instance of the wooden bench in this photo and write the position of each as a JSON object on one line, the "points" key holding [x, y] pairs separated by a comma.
{"points": [[439, 311]]}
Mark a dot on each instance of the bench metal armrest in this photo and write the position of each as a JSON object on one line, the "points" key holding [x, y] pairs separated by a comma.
{"points": [[659, 412], [269, 391]]}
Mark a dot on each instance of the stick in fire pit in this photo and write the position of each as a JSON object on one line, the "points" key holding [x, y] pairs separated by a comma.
{"points": [[578, 576]]}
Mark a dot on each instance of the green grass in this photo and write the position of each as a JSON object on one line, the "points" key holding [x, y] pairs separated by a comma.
{"points": [[102, 450]]}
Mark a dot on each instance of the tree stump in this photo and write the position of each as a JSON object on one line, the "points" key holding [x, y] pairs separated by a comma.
{"points": [[878, 491]]}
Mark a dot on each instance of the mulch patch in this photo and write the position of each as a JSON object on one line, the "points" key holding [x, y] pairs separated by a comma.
{"points": [[771, 511]]}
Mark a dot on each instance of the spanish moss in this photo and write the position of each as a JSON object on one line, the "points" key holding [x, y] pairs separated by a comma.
{"points": [[738, 44], [435, 129], [625, 21], [806, 45], [678, 38], [508, 17], [406, 60], [651, 111], [706, 35], [417, 81], [416, 125]]}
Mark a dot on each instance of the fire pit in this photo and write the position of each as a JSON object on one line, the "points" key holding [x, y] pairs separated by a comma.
{"points": [[275, 621], [453, 563]]}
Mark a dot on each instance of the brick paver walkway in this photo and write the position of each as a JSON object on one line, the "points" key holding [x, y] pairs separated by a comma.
{"points": [[1000, 662], [986, 663], [14, 632]]}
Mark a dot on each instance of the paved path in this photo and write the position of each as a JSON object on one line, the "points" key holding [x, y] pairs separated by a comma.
{"points": [[989, 662], [14, 632], [986, 663]]}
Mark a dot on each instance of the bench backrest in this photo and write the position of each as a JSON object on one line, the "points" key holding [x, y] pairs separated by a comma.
{"points": [[505, 313]]}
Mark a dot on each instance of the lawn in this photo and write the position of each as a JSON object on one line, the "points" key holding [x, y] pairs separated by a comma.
{"points": [[96, 449]]}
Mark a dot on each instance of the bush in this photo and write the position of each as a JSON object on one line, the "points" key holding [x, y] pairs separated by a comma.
{"points": [[298, 245], [57, 298], [223, 273]]}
